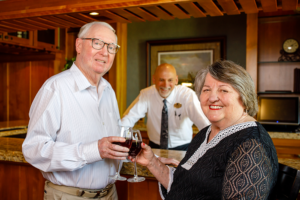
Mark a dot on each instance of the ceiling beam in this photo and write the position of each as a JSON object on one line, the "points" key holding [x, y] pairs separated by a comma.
{"points": [[33, 8]]}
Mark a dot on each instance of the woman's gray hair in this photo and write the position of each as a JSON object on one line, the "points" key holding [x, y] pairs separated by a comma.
{"points": [[235, 75], [85, 28]]}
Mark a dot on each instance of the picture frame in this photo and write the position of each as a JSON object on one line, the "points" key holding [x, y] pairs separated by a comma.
{"points": [[188, 56]]}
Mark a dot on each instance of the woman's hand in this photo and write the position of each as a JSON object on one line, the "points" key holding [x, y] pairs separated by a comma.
{"points": [[169, 161], [145, 156]]}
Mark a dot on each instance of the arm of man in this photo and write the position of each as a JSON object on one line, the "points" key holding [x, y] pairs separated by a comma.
{"points": [[195, 112], [43, 150], [136, 111]]}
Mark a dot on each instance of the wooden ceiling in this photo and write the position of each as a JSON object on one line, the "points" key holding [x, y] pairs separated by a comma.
{"points": [[29, 15]]}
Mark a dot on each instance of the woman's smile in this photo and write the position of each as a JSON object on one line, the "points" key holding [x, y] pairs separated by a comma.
{"points": [[214, 107]]}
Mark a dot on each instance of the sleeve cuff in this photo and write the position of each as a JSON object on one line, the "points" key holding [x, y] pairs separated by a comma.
{"points": [[91, 152], [162, 190]]}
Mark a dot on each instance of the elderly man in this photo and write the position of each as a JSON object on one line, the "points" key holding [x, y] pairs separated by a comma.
{"points": [[171, 111], [74, 119]]}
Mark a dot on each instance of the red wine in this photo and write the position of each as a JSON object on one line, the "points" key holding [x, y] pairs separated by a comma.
{"points": [[127, 143], [135, 149]]}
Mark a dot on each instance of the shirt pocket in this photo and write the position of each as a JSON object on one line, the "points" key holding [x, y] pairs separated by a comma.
{"points": [[177, 117]]}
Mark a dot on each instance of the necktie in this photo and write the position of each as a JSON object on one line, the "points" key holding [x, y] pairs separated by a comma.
{"points": [[164, 133]]}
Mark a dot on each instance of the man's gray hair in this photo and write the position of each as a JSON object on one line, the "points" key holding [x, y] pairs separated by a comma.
{"points": [[236, 76], [85, 28]]}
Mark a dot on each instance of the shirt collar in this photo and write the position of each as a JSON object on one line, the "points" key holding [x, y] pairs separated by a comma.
{"points": [[170, 99], [82, 82]]}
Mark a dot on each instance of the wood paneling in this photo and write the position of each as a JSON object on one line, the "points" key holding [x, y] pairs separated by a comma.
{"points": [[210, 8], [114, 16], [192, 9], [26, 57], [19, 90], [251, 47], [160, 13], [70, 44], [287, 147], [178, 13], [142, 13], [276, 76], [66, 13], [148, 189], [270, 43], [128, 15], [19, 83], [20, 182], [3, 91], [289, 4], [40, 71], [121, 67], [36, 23], [229, 7], [249, 6], [269, 5], [273, 75], [32, 8]]}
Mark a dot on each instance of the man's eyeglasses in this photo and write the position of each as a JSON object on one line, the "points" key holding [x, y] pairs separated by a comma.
{"points": [[99, 44]]}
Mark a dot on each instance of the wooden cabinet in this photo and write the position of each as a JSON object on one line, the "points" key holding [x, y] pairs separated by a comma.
{"points": [[272, 32]]}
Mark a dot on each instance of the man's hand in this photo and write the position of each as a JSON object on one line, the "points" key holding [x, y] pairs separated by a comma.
{"points": [[169, 161], [113, 151]]}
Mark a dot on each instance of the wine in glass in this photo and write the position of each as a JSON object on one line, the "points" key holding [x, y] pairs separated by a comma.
{"points": [[127, 134], [135, 149]]}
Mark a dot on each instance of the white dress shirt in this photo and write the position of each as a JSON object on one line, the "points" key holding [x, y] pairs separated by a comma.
{"points": [[67, 118], [180, 116]]}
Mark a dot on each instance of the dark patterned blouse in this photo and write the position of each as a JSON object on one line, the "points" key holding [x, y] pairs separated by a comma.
{"points": [[240, 162]]}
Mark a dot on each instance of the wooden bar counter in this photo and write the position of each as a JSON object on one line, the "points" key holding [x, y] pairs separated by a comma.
{"points": [[22, 181]]}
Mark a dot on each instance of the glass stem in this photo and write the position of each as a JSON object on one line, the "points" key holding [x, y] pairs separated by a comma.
{"points": [[118, 172], [135, 170]]}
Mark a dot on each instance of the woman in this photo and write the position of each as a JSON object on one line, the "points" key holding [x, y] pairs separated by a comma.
{"points": [[234, 157]]}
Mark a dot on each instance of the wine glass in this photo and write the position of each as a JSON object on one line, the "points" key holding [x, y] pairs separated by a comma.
{"points": [[135, 149], [127, 134]]}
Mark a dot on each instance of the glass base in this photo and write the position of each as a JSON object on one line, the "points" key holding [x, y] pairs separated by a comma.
{"points": [[136, 179], [118, 177]]}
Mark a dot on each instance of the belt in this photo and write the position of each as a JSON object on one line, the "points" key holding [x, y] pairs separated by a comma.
{"points": [[86, 193]]}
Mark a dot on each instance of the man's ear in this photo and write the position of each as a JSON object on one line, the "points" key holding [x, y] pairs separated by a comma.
{"points": [[176, 80], [78, 45], [153, 79]]}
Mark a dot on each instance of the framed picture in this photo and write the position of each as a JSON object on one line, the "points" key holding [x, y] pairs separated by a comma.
{"points": [[188, 56]]}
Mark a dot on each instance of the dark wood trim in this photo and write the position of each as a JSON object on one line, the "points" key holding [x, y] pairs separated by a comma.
{"points": [[24, 57]]}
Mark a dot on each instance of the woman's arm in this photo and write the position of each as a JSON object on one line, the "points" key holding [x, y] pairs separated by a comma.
{"points": [[248, 173]]}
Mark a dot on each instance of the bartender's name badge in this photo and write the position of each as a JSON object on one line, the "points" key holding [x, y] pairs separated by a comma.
{"points": [[177, 105]]}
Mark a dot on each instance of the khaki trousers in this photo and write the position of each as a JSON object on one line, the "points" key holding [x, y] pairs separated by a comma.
{"points": [[53, 194]]}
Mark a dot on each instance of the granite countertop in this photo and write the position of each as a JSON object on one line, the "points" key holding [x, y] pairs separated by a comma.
{"points": [[11, 150], [10, 128], [143, 127], [283, 135], [278, 135]]}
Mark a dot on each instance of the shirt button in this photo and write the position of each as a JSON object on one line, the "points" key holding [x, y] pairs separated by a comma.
{"points": [[103, 123]]}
